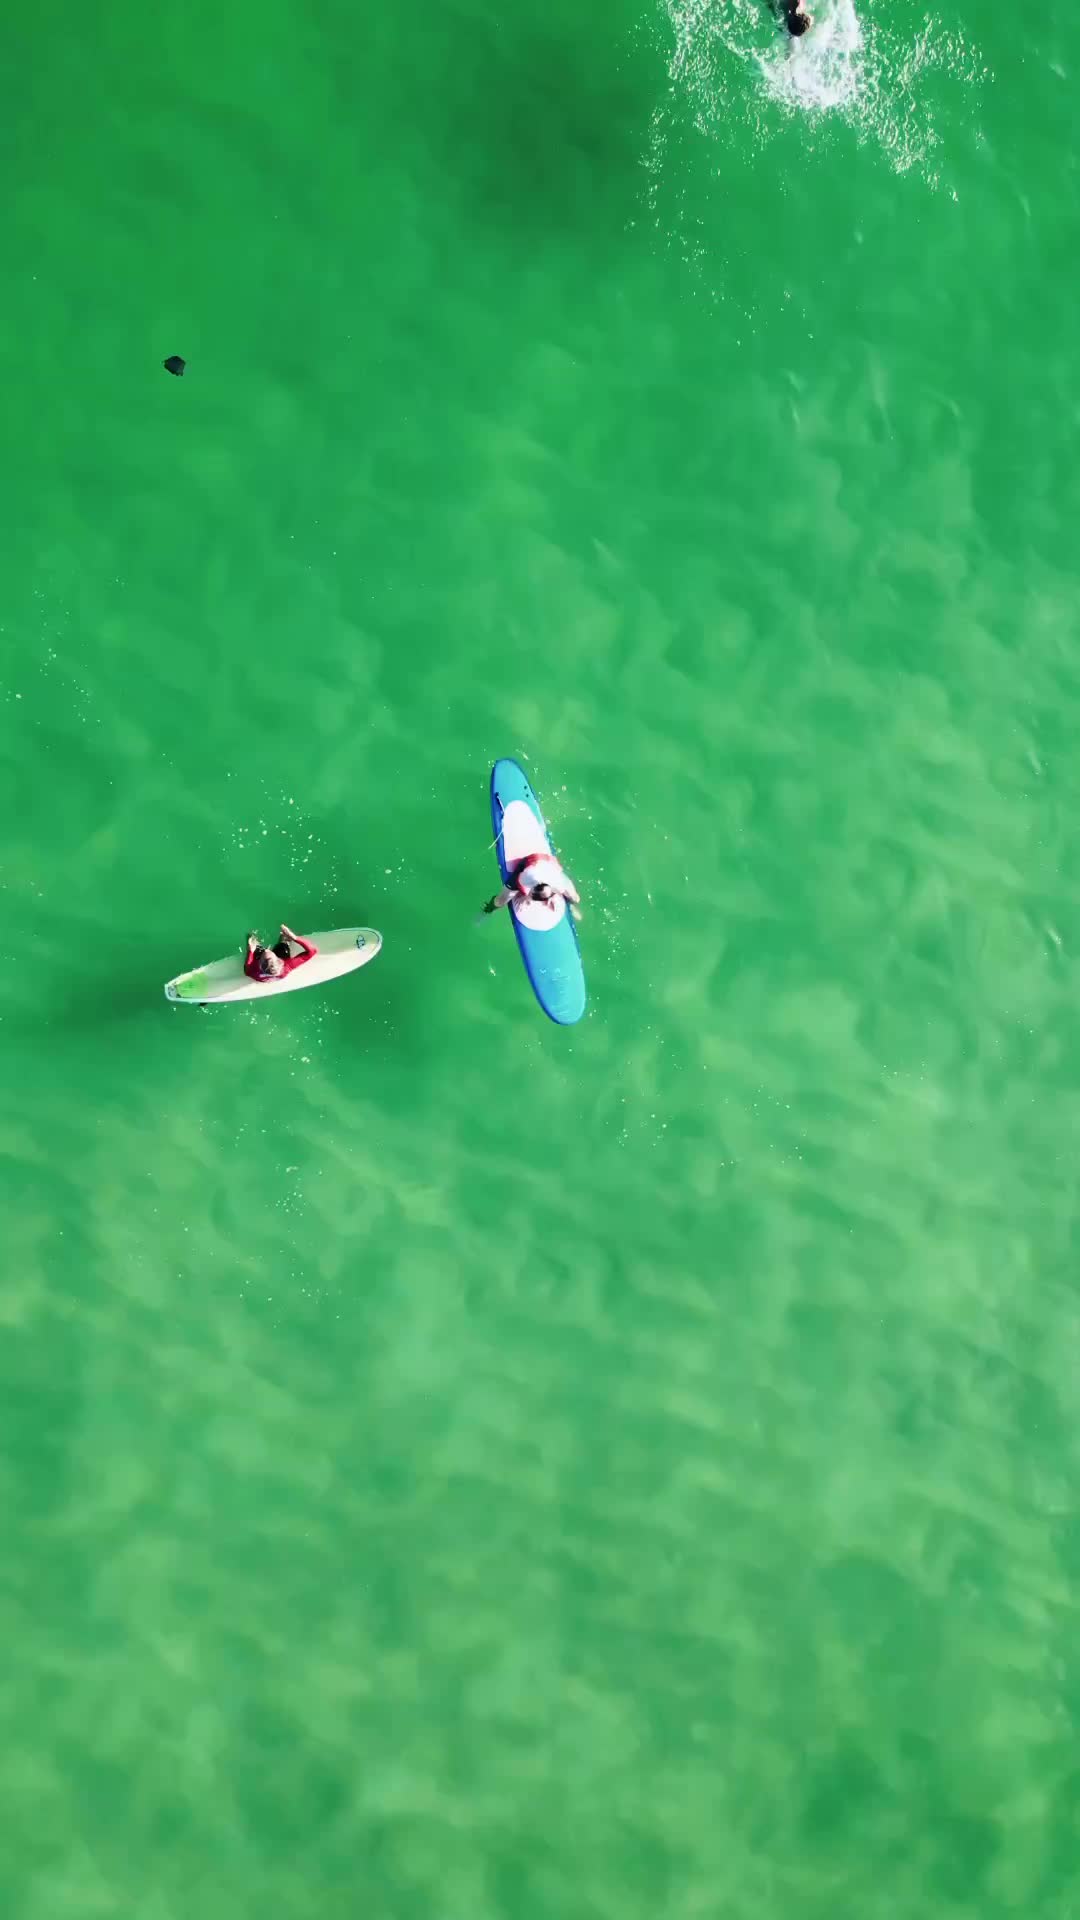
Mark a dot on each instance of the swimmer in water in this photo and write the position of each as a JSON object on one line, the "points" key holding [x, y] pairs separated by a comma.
{"points": [[794, 15]]}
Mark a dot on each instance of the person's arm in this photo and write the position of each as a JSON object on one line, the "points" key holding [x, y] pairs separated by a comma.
{"points": [[501, 899], [249, 958], [309, 949]]}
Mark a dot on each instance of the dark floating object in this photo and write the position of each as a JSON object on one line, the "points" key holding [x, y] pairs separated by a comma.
{"points": [[799, 19], [174, 364]]}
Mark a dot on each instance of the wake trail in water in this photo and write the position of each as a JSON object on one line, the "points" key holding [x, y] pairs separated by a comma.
{"points": [[736, 67], [822, 70]]}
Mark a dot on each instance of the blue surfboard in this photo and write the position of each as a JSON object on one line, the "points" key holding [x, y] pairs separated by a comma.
{"points": [[548, 940]]}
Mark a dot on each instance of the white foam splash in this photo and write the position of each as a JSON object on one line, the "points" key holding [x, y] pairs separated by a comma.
{"points": [[848, 66], [822, 70]]}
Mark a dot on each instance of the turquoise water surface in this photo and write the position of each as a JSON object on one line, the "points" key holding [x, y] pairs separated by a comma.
{"points": [[454, 1468]]}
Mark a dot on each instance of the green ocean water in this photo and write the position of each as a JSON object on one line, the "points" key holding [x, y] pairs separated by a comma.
{"points": [[453, 1468]]}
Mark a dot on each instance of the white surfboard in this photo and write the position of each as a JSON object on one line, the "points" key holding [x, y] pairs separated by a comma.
{"points": [[224, 981]]}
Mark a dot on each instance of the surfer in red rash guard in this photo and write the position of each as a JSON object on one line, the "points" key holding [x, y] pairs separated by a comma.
{"points": [[273, 963]]}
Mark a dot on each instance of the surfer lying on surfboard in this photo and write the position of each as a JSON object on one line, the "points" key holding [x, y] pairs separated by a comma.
{"points": [[272, 963], [540, 879]]}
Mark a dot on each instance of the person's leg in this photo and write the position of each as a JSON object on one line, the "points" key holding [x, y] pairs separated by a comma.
{"points": [[282, 949]]}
